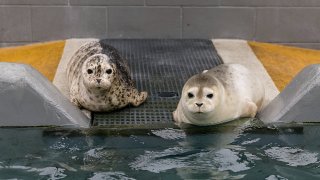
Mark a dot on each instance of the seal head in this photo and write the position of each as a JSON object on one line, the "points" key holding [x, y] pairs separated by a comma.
{"points": [[201, 95], [98, 73]]}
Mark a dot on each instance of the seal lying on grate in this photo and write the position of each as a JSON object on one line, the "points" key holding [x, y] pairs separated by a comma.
{"points": [[99, 79], [221, 94]]}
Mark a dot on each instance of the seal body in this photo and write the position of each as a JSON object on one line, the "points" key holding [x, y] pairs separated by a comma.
{"points": [[218, 95], [99, 79]]}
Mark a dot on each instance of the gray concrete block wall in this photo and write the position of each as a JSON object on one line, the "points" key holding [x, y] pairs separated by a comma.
{"points": [[218, 22], [142, 22], [292, 22], [50, 23]]}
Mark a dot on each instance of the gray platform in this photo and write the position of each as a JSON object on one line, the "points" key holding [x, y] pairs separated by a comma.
{"points": [[27, 98], [299, 102], [159, 67]]}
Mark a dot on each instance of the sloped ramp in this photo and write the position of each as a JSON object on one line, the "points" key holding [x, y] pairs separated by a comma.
{"points": [[299, 102], [27, 98]]}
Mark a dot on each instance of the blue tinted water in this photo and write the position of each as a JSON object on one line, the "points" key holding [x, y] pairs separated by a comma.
{"points": [[239, 151]]}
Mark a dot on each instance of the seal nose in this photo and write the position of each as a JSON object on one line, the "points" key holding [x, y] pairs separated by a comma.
{"points": [[199, 104], [98, 80]]}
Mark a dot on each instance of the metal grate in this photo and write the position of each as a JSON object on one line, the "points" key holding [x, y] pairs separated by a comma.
{"points": [[160, 67]]}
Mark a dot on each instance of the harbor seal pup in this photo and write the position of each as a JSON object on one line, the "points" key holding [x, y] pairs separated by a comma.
{"points": [[219, 95], [99, 79]]}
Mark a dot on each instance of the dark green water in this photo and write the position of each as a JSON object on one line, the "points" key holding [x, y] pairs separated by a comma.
{"points": [[222, 152]]}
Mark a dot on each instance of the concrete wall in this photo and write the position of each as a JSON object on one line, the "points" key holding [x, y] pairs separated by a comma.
{"points": [[294, 22]]}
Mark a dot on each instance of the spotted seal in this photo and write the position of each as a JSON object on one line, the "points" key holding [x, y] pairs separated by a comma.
{"points": [[218, 95], [99, 79]]}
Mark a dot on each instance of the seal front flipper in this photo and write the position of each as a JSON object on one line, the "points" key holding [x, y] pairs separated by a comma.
{"points": [[175, 116], [73, 96], [75, 102], [137, 98], [250, 110]]}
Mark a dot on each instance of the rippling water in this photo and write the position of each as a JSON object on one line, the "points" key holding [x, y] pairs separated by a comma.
{"points": [[231, 151]]}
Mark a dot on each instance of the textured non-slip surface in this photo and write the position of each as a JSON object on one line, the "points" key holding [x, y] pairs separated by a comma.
{"points": [[161, 68], [283, 63]]}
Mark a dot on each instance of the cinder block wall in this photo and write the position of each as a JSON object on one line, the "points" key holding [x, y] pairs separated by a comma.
{"points": [[294, 22]]}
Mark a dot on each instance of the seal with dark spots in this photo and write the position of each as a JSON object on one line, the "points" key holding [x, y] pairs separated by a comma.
{"points": [[99, 79]]}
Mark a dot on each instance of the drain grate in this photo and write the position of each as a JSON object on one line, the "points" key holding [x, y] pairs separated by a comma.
{"points": [[161, 68]]}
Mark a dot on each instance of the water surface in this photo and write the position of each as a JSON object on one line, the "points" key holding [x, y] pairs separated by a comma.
{"points": [[236, 151]]}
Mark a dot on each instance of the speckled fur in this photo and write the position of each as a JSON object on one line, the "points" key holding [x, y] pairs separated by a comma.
{"points": [[117, 94]]}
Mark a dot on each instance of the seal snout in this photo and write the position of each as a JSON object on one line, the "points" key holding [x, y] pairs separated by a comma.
{"points": [[199, 107], [199, 104], [98, 80]]}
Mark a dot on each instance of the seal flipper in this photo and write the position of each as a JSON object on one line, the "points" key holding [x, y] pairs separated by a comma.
{"points": [[75, 101], [250, 110], [137, 98], [73, 95], [175, 116]]}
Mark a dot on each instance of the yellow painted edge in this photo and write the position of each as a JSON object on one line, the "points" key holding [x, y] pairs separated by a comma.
{"points": [[44, 57], [283, 63]]}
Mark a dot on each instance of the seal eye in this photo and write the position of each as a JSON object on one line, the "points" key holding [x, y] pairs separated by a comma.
{"points": [[210, 96], [89, 71], [109, 71], [190, 95]]}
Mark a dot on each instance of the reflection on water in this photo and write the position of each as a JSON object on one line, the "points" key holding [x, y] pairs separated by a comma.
{"points": [[239, 150], [169, 133], [275, 177], [292, 156], [50, 172], [110, 176]]}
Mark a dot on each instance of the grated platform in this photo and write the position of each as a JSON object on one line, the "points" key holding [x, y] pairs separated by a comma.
{"points": [[161, 68]]}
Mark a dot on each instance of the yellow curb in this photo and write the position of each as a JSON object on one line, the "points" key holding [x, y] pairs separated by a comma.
{"points": [[283, 62], [44, 57]]}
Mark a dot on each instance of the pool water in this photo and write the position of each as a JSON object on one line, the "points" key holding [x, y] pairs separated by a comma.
{"points": [[244, 150]]}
